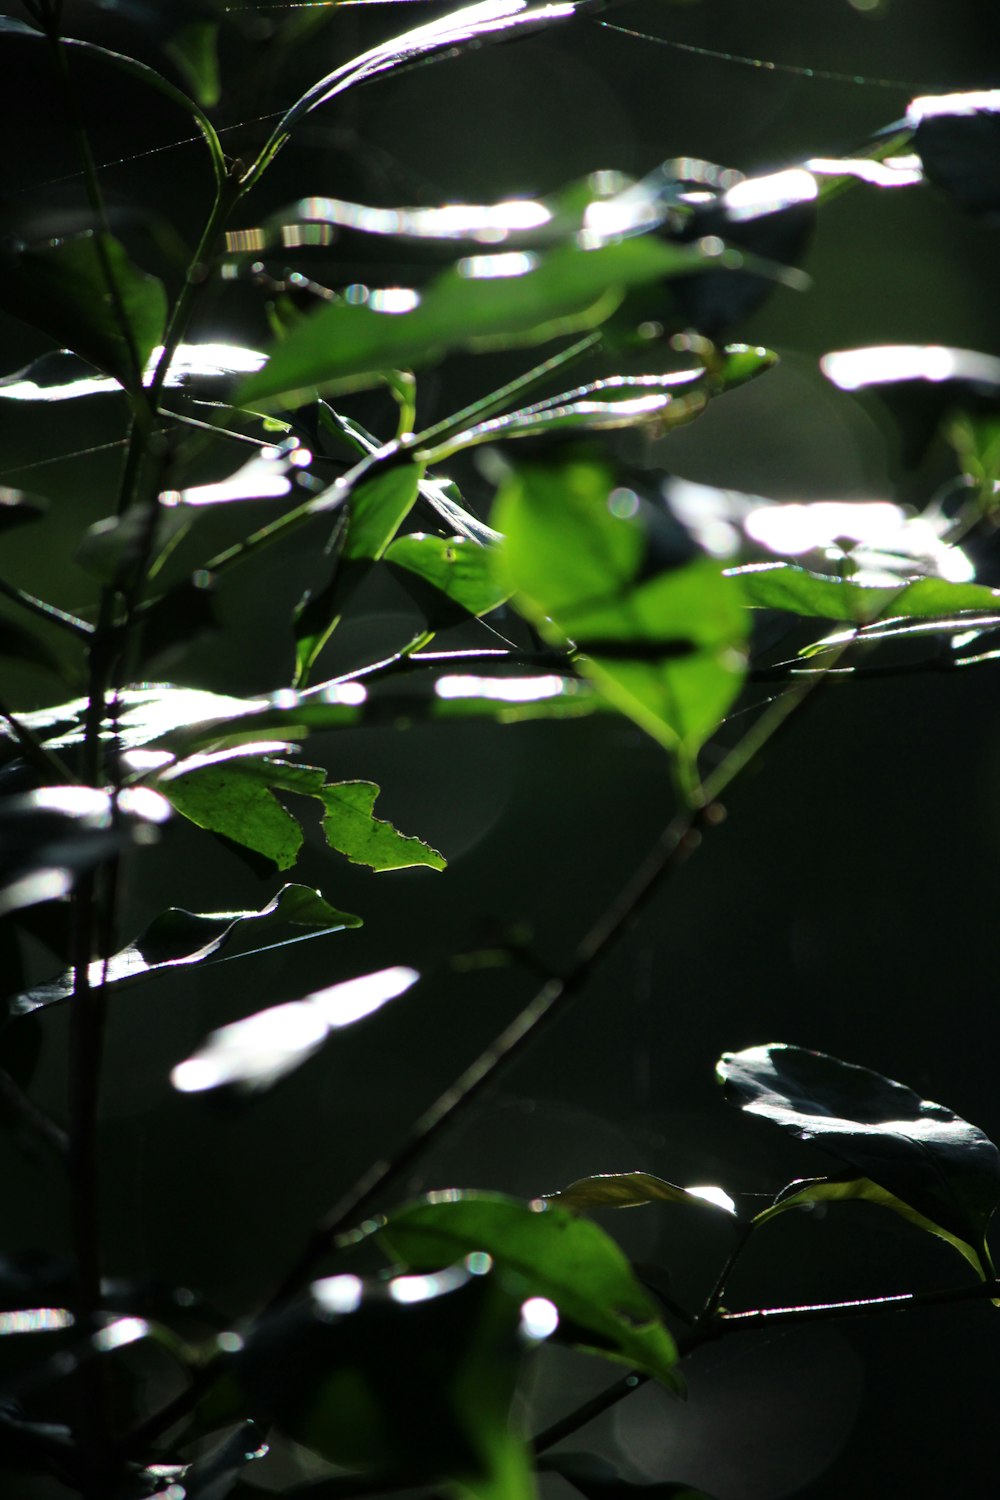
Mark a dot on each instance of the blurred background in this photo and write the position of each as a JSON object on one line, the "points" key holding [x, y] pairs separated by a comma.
{"points": [[848, 903]]}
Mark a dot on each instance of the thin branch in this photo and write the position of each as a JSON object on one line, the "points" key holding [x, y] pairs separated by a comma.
{"points": [[731, 1322], [48, 612]]}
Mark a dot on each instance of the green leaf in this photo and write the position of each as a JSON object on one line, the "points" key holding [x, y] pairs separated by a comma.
{"points": [[942, 1168], [85, 292], [351, 828], [193, 48], [485, 307], [556, 1255], [232, 791], [178, 937], [437, 1410], [808, 1191], [633, 1190], [449, 577], [592, 564], [374, 512], [254, 1053], [778, 585]]}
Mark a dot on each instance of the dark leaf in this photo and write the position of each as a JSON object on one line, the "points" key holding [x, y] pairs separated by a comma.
{"points": [[51, 836], [556, 1255], [177, 937], [85, 293], [941, 1167], [254, 1053], [200, 369], [958, 138], [115, 548], [438, 1409]]}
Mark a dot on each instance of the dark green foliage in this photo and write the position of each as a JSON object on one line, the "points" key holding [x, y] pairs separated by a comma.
{"points": [[395, 515]]}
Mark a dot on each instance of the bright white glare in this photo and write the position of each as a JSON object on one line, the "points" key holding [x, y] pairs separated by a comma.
{"points": [[36, 886], [929, 106], [118, 1334], [851, 369], [394, 299], [256, 1052], [716, 1195], [35, 1320], [342, 694], [87, 385], [507, 263], [898, 171], [539, 1318], [338, 1294], [343, 1004], [265, 477], [206, 361], [229, 1342], [500, 689], [794, 529], [409, 1289], [767, 195], [479, 1263], [710, 514], [143, 802], [74, 801], [488, 223]]}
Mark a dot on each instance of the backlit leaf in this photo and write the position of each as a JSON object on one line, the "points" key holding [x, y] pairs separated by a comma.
{"points": [[557, 1255], [632, 1190], [787, 587], [449, 577]]}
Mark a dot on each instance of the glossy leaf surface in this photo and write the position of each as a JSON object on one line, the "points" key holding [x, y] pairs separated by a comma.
{"points": [[938, 1164], [178, 937], [566, 1259], [64, 288]]}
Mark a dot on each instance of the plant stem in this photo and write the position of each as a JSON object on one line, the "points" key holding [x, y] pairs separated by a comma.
{"points": [[591, 1409], [732, 1322]]}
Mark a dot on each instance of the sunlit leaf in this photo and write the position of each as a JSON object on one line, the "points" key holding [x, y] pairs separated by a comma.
{"points": [[450, 577], [807, 1192], [657, 628], [941, 1167], [787, 587], [557, 1255], [85, 293], [632, 1190], [213, 1475], [254, 1053], [232, 792], [488, 301], [437, 1410], [271, 474], [52, 835], [965, 626], [177, 937]]}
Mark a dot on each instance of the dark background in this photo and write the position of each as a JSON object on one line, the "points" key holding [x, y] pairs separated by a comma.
{"points": [[848, 902]]}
